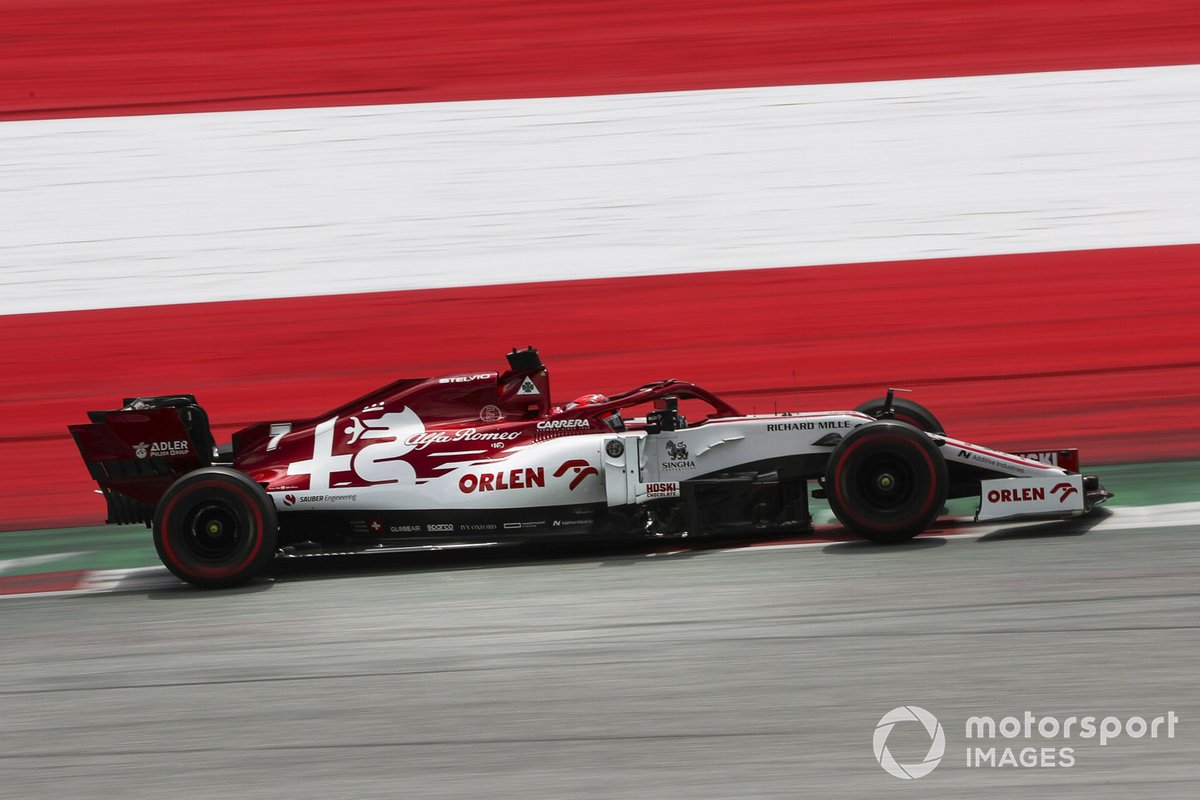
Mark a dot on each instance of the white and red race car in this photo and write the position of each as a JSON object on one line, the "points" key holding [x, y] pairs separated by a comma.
{"points": [[476, 458]]}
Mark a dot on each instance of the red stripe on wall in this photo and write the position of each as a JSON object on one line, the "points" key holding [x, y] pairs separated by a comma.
{"points": [[1091, 349], [93, 57]]}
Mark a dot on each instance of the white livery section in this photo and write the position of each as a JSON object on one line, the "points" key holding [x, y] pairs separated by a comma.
{"points": [[1052, 495], [559, 472], [727, 444], [974, 455], [639, 466]]}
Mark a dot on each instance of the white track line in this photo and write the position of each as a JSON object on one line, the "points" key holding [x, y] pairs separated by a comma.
{"points": [[33, 561], [1122, 518]]}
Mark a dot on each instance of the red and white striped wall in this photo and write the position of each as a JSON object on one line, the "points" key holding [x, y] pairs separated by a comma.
{"points": [[279, 205]]}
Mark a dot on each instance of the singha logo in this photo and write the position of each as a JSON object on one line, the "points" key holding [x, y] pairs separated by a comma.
{"points": [[677, 451]]}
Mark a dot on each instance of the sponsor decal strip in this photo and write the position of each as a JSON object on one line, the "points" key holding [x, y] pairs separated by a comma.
{"points": [[983, 451]]}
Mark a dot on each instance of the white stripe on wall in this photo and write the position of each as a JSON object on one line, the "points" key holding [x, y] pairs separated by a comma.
{"points": [[130, 211]]}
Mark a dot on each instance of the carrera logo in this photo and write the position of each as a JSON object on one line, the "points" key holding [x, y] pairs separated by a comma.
{"points": [[581, 468], [179, 447], [528, 478], [562, 424], [1067, 491]]}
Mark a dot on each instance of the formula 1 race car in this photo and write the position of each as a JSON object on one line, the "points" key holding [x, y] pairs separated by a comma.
{"points": [[477, 458]]}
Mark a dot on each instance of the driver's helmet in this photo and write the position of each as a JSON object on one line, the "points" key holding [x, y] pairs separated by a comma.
{"points": [[611, 418], [586, 400]]}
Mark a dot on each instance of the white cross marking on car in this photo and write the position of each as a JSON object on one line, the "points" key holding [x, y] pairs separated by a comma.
{"points": [[323, 463]]}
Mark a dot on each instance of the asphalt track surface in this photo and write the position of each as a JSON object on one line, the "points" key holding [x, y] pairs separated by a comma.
{"points": [[759, 672]]}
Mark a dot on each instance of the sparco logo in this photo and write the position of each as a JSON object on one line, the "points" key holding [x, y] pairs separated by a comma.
{"points": [[937, 745], [561, 424]]}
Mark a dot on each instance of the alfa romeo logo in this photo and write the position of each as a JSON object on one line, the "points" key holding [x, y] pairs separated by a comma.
{"points": [[937, 745]]}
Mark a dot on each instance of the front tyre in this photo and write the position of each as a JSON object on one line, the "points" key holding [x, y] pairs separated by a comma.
{"points": [[886, 481], [215, 527]]}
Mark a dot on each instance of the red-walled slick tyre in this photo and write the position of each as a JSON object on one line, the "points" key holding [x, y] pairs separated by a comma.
{"points": [[903, 410], [215, 527], [886, 481]]}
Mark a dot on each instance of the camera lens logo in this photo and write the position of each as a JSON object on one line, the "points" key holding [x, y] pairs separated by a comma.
{"points": [[937, 746]]}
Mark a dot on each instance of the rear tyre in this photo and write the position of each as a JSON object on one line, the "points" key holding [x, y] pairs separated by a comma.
{"points": [[215, 527], [886, 481], [914, 414]]}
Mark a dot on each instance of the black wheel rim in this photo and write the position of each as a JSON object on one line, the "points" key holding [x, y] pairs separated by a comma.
{"points": [[885, 483], [213, 532]]}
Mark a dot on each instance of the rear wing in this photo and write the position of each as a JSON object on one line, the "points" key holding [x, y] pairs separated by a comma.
{"points": [[136, 452]]}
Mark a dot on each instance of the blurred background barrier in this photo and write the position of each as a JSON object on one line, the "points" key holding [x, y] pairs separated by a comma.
{"points": [[993, 192]]}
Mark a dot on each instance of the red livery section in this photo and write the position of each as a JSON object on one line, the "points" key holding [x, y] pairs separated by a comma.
{"points": [[87, 57], [1094, 349]]}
